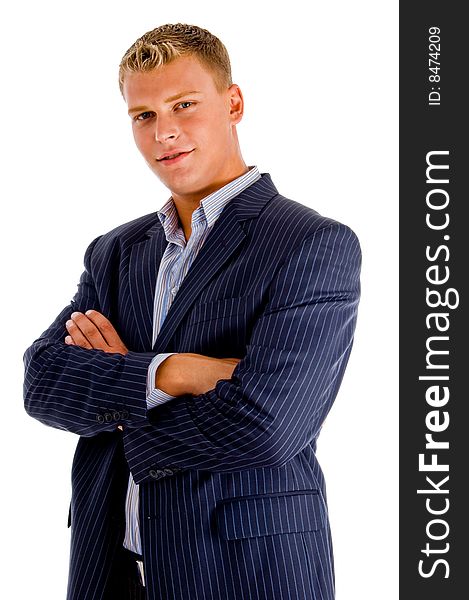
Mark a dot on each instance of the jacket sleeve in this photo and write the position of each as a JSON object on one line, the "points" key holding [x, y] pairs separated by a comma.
{"points": [[79, 390], [281, 391]]}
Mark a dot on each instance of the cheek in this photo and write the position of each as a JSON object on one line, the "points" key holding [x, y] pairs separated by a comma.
{"points": [[143, 141], [205, 128], [212, 136]]}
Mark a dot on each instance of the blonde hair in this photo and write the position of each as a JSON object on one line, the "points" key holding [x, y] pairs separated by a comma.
{"points": [[160, 46]]}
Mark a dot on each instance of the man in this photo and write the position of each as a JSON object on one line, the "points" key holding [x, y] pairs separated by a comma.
{"points": [[199, 358]]}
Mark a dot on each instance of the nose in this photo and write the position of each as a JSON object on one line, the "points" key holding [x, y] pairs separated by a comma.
{"points": [[165, 129]]}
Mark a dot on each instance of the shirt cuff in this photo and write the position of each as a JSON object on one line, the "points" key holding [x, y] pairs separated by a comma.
{"points": [[155, 396]]}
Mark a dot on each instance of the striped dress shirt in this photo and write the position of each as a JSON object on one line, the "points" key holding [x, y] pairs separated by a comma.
{"points": [[175, 263]]}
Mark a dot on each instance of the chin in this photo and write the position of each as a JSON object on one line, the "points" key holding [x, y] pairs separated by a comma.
{"points": [[187, 184]]}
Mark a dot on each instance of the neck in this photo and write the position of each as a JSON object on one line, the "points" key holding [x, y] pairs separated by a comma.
{"points": [[187, 203]]}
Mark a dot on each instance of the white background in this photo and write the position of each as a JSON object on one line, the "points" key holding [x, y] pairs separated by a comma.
{"points": [[320, 87]]}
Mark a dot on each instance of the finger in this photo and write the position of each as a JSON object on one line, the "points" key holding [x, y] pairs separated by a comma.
{"points": [[69, 340], [89, 331], [105, 327], [76, 336]]}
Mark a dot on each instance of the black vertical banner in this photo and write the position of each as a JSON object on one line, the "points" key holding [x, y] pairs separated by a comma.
{"points": [[434, 330]]}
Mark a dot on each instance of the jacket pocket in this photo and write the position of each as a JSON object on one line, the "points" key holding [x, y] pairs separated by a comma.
{"points": [[219, 309], [268, 514]]}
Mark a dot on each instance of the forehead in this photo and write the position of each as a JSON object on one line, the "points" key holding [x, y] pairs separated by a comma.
{"points": [[183, 73]]}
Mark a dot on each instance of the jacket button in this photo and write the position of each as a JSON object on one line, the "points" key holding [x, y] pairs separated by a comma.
{"points": [[116, 415], [125, 414], [156, 473], [167, 471], [100, 418], [108, 417]]}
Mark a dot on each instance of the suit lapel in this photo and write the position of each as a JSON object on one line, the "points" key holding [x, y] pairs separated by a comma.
{"points": [[145, 258], [223, 240], [220, 244]]}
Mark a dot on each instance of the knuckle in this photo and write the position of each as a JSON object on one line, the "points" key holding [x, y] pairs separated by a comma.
{"points": [[88, 330]]}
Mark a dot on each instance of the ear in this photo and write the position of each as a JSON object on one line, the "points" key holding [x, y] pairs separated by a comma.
{"points": [[236, 103]]}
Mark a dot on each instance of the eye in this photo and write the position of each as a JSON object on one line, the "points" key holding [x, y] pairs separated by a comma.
{"points": [[137, 118], [181, 104]]}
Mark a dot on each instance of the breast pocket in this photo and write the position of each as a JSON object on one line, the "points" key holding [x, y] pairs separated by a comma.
{"points": [[269, 514], [222, 309]]}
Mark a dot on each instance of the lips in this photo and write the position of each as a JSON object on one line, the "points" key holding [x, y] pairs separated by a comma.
{"points": [[174, 158], [172, 155]]}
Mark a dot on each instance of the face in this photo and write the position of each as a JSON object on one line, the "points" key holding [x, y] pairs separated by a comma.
{"points": [[176, 109]]}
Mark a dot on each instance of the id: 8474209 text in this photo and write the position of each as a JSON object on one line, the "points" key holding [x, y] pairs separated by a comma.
{"points": [[434, 51]]}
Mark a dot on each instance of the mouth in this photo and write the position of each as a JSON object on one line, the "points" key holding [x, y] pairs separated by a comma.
{"points": [[174, 158]]}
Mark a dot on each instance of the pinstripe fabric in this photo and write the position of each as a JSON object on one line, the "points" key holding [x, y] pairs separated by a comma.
{"points": [[232, 498], [176, 261]]}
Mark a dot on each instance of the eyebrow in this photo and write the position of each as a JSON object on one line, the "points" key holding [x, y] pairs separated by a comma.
{"points": [[170, 99]]}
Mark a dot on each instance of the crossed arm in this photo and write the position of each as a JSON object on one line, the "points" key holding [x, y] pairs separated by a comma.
{"points": [[183, 373], [261, 413]]}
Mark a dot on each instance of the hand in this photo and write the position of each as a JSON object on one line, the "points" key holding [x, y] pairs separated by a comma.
{"points": [[93, 331], [190, 373]]}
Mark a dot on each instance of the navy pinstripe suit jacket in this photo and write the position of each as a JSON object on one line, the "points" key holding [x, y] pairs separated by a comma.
{"points": [[232, 498]]}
